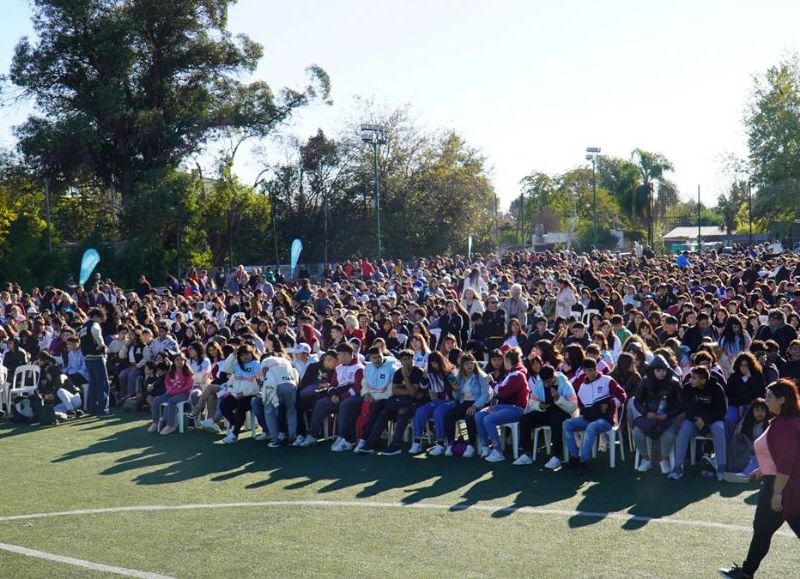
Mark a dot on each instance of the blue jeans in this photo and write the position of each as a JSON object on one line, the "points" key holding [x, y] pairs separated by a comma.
{"points": [[592, 429], [434, 409], [257, 408], [98, 386], [287, 395], [732, 417], [488, 419], [688, 431]]}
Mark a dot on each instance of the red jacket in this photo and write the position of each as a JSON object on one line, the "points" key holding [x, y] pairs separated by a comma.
{"points": [[602, 390], [514, 387], [783, 439], [179, 383]]}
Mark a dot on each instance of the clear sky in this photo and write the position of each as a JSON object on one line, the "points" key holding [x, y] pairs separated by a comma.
{"points": [[530, 83]]}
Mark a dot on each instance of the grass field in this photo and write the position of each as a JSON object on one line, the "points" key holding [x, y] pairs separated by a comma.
{"points": [[310, 512]]}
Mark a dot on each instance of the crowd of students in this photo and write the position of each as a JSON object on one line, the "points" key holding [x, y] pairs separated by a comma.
{"points": [[576, 343], [440, 353]]}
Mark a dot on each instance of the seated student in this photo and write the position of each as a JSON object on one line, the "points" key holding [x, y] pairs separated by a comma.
{"points": [[313, 386], [240, 389], [512, 395], [376, 388], [343, 397], [178, 383], [440, 376], [153, 385], [279, 388], [75, 366], [471, 393], [57, 398], [552, 401], [400, 406], [705, 406], [744, 385], [599, 397], [752, 426], [658, 404]]}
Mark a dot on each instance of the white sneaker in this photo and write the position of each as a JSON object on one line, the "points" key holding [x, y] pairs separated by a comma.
{"points": [[299, 440], [485, 451], [495, 456], [553, 463], [308, 441], [736, 478], [336, 442], [360, 445], [437, 450], [261, 436], [469, 452], [644, 465], [230, 438], [275, 443], [522, 460], [416, 448], [665, 467], [602, 443], [344, 446], [449, 450], [210, 425]]}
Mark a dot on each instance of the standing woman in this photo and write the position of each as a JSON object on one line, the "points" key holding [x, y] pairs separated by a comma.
{"points": [[778, 454], [565, 299]]}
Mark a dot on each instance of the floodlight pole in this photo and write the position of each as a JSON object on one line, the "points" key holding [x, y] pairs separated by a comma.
{"points": [[592, 154]]}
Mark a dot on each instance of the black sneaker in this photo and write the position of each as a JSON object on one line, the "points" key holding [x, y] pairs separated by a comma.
{"points": [[573, 462], [734, 572], [391, 450], [580, 468]]}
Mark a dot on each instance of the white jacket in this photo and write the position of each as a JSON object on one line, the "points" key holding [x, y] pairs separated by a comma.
{"points": [[277, 370]]}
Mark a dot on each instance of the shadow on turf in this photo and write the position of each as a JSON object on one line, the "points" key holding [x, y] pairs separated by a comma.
{"points": [[161, 460]]}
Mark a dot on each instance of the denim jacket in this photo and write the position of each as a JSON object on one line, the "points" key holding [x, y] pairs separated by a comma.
{"points": [[477, 386]]}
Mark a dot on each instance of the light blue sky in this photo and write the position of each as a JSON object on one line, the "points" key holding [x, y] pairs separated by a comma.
{"points": [[530, 83]]}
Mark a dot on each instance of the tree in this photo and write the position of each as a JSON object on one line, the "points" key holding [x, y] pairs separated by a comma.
{"points": [[773, 137], [652, 167], [125, 90]]}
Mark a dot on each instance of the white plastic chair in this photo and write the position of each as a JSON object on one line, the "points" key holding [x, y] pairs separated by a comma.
{"points": [[514, 428], [548, 440], [25, 381], [614, 438], [693, 447], [587, 317], [182, 408], [638, 457]]}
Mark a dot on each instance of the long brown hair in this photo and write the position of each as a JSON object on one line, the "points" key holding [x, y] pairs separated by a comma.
{"points": [[786, 388]]}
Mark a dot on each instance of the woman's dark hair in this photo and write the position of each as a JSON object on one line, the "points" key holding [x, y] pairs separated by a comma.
{"points": [[198, 349], [186, 370], [730, 335], [549, 353], [749, 420], [244, 349], [786, 388], [277, 345], [445, 368]]}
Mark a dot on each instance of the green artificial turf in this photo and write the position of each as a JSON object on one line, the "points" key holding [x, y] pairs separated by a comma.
{"points": [[113, 463]]}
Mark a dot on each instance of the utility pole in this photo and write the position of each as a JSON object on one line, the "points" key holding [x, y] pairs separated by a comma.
{"points": [[520, 225], [47, 211], [592, 153], [750, 210], [375, 136], [699, 235]]}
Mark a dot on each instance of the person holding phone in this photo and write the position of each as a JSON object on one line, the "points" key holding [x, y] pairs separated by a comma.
{"points": [[778, 454], [552, 400]]}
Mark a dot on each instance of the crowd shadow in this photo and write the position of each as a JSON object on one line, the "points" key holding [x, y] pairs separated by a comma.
{"points": [[160, 460]]}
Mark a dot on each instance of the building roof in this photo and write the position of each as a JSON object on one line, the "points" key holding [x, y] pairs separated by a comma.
{"points": [[690, 232]]}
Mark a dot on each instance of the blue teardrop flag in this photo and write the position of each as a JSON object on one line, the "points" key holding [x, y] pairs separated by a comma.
{"points": [[297, 247], [90, 260]]}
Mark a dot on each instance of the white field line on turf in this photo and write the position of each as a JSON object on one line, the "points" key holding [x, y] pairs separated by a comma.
{"points": [[80, 562], [384, 505]]}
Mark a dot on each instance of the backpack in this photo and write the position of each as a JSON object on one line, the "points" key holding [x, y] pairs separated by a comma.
{"points": [[739, 451]]}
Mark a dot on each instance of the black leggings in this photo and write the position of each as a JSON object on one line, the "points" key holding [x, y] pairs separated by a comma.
{"points": [[765, 523], [553, 417], [454, 415], [235, 411]]}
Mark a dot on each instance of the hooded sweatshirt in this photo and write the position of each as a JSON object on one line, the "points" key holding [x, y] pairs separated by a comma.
{"points": [[651, 391], [514, 387]]}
